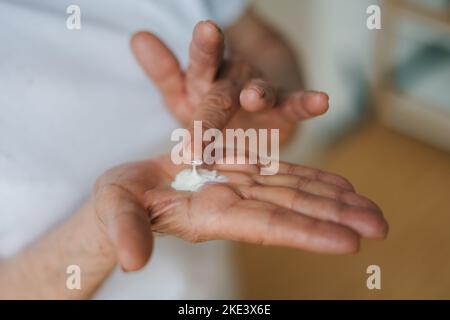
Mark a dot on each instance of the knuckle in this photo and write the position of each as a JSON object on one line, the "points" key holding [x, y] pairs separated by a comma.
{"points": [[291, 169], [337, 209], [260, 83], [337, 193], [257, 180], [109, 177], [220, 99], [101, 183], [318, 174], [302, 182], [297, 197], [194, 239]]}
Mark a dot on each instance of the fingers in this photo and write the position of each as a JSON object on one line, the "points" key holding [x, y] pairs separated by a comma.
{"points": [[127, 224], [261, 223], [293, 170], [258, 95], [246, 220], [310, 192], [318, 188], [367, 222], [205, 56], [315, 174], [302, 105], [161, 65]]}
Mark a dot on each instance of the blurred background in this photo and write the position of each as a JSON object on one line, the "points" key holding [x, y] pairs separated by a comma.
{"points": [[387, 130]]}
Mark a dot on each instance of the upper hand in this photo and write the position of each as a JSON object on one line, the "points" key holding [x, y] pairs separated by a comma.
{"points": [[220, 92]]}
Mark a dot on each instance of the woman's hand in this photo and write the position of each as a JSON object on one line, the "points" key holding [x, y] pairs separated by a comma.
{"points": [[222, 92], [299, 207]]}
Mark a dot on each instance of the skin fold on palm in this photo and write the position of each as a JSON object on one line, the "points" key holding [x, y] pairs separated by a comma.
{"points": [[299, 207]]}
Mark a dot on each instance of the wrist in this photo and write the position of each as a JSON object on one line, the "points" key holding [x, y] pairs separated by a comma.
{"points": [[92, 237], [39, 271]]}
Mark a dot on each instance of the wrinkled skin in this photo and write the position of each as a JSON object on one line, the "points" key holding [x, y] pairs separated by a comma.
{"points": [[221, 92], [299, 207]]}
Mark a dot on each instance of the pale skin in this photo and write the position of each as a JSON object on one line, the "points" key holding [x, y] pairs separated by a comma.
{"points": [[299, 207]]}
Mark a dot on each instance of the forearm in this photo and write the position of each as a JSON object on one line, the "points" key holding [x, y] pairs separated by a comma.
{"points": [[256, 41], [39, 271]]}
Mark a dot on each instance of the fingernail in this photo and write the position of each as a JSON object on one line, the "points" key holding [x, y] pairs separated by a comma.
{"points": [[214, 24], [320, 95], [258, 90]]}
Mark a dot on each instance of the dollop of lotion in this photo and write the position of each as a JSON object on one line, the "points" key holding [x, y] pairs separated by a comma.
{"points": [[193, 179]]}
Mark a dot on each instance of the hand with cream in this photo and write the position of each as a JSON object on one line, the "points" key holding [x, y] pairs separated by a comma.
{"points": [[299, 207], [193, 179]]}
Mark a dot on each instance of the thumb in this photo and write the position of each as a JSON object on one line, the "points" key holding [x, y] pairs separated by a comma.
{"points": [[163, 68], [127, 225]]}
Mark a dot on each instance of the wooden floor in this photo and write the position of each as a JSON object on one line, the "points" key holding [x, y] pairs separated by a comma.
{"points": [[411, 182]]}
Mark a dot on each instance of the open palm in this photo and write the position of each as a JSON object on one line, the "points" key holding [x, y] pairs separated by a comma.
{"points": [[299, 207]]}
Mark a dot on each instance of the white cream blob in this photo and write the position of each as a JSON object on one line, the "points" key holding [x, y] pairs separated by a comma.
{"points": [[193, 179]]}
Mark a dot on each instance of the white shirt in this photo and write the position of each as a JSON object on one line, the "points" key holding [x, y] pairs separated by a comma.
{"points": [[74, 103]]}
